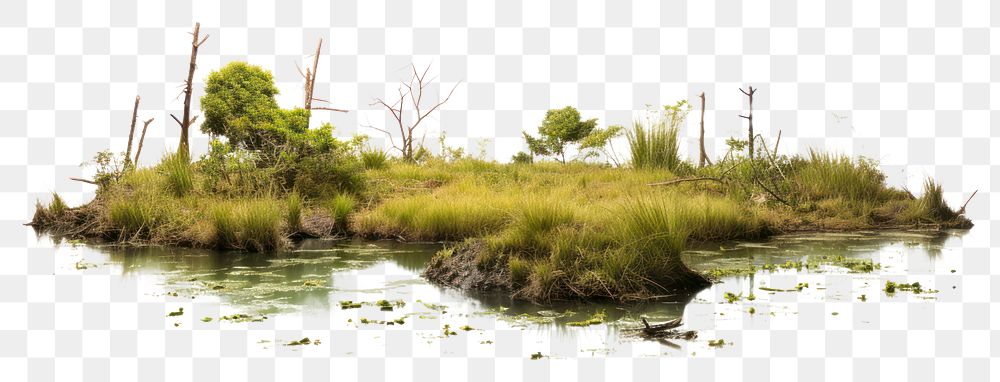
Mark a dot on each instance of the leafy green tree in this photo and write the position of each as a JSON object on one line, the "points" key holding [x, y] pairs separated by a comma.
{"points": [[560, 128], [239, 105]]}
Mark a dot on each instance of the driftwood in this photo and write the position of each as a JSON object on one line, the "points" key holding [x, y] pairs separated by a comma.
{"points": [[665, 332], [131, 133], [142, 138]]}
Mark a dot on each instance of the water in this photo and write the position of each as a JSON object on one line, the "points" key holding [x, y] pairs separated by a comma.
{"points": [[281, 298]]}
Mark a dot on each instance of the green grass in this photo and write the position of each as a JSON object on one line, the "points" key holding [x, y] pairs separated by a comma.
{"points": [[293, 212], [341, 208], [133, 218], [374, 159], [653, 145], [249, 225], [827, 176], [178, 173], [57, 206]]}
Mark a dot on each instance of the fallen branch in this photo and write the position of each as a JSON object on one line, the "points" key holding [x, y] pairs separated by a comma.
{"points": [[677, 181]]}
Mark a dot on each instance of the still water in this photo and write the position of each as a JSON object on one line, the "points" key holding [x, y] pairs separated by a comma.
{"points": [[330, 291]]}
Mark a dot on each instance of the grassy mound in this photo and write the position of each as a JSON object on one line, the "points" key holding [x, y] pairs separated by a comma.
{"points": [[543, 231]]}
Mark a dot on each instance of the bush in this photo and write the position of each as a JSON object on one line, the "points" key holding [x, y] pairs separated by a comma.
{"points": [[522, 158], [559, 128], [322, 175]]}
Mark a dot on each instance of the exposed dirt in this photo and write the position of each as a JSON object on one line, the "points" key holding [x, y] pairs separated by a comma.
{"points": [[459, 269]]}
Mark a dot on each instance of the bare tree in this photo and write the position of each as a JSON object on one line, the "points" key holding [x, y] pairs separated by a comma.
{"points": [[412, 92], [749, 117], [187, 120], [145, 125], [310, 77], [702, 155], [131, 134]]}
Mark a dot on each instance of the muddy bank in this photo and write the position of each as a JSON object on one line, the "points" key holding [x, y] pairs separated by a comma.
{"points": [[461, 267]]}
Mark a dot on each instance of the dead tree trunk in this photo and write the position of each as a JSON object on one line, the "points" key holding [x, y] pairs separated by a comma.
{"points": [[702, 155], [187, 120], [142, 138], [310, 77], [131, 134], [749, 117]]}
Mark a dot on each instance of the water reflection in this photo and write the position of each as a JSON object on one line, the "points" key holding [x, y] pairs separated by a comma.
{"points": [[315, 278]]}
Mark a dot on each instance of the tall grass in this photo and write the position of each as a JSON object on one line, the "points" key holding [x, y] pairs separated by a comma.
{"points": [[133, 217], [653, 145], [57, 206], [250, 225], [340, 209], [430, 217], [293, 212], [827, 176], [178, 173], [374, 159]]}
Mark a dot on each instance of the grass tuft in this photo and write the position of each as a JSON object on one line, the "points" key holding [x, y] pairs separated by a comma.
{"points": [[293, 215], [178, 173], [374, 159], [131, 217], [341, 208], [249, 225], [57, 206], [653, 145]]}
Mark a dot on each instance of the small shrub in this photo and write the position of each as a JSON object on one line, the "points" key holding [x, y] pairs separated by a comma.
{"points": [[522, 158], [374, 159], [322, 175], [178, 173]]}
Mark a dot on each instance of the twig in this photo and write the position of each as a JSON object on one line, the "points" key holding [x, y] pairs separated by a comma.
{"points": [[961, 211], [83, 180]]}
